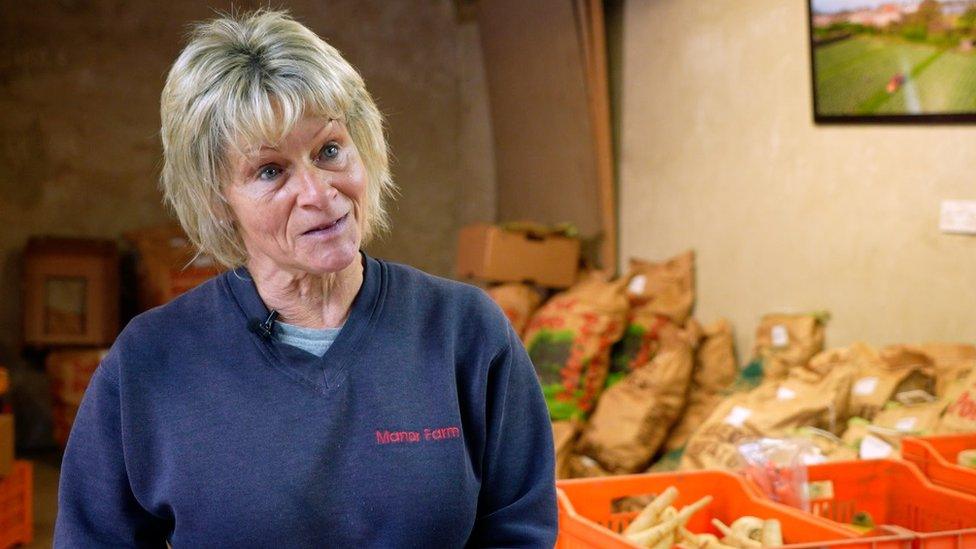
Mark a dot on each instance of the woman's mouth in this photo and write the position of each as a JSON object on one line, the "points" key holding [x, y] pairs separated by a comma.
{"points": [[328, 229]]}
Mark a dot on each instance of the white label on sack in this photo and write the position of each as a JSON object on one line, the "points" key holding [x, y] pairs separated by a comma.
{"points": [[865, 386], [781, 337], [637, 284], [906, 423], [873, 447], [738, 416], [785, 393]]}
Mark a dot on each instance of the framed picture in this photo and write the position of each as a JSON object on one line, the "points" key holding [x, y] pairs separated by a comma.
{"points": [[71, 292], [893, 61]]}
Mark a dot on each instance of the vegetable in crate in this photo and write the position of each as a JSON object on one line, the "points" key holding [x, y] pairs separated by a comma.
{"points": [[569, 340], [661, 525]]}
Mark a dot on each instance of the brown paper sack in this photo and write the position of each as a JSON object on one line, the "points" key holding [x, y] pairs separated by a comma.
{"points": [[715, 369], [786, 341], [659, 294], [569, 340], [517, 301], [584, 467], [881, 376], [808, 397], [634, 416], [564, 437], [960, 414], [665, 289], [952, 363]]}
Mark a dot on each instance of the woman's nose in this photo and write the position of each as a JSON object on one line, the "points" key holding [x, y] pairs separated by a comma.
{"points": [[315, 187]]}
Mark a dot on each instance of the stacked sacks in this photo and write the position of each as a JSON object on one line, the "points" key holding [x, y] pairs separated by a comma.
{"points": [[634, 416], [815, 395], [951, 362], [882, 376], [960, 414], [517, 301], [786, 341], [659, 294], [569, 340], [715, 370]]}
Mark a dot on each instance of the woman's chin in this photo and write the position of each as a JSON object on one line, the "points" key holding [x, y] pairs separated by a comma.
{"points": [[333, 260]]}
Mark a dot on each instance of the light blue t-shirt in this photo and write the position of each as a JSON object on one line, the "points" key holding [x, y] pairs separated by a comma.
{"points": [[315, 341]]}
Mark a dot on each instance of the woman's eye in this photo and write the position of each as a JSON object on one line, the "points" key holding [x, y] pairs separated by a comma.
{"points": [[269, 173], [329, 152]]}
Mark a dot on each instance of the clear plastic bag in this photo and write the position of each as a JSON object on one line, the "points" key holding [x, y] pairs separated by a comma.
{"points": [[778, 468]]}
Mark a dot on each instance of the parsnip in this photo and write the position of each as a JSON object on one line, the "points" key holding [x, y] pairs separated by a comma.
{"points": [[652, 535], [748, 528], [772, 533], [689, 510], [667, 542], [649, 515], [731, 538]]}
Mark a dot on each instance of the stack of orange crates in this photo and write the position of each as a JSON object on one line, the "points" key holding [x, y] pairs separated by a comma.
{"points": [[17, 506]]}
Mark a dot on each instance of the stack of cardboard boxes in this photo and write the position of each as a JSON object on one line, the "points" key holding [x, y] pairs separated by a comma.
{"points": [[72, 302], [520, 264], [16, 485]]}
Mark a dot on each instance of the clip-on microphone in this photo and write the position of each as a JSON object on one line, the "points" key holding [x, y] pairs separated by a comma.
{"points": [[263, 329]]}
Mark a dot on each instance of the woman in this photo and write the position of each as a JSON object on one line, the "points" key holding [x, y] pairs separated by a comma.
{"points": [[312, 395]]}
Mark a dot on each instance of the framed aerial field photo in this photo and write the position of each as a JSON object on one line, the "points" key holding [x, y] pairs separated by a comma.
{"points": [[893, 61]]}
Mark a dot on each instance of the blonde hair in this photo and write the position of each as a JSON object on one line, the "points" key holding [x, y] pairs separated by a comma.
{"points": [[245, 80]]}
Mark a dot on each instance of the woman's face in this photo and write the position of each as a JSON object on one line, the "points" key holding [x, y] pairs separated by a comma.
{"points": [[299, 205]]}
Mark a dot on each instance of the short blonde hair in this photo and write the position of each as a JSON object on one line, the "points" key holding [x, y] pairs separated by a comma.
{"points": [[245, 80]]}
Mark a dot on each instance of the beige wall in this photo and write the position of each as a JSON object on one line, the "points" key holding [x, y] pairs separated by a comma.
{"points": [[79, 92], [719, 153]]}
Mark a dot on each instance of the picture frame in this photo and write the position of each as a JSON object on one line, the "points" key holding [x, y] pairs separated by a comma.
{"points": [[892, 62], [71, 292]]}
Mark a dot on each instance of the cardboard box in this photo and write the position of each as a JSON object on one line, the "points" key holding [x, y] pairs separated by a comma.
{"points": [[492, 253], [71, 291], [167, 264], [69, 372], [6, 444]]}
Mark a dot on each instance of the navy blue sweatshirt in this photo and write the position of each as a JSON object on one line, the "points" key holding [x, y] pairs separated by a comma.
{"points": [[422, 426]]}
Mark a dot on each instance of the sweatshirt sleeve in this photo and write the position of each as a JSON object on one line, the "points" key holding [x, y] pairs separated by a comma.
{"points": [[517, 503], [96, 506]]}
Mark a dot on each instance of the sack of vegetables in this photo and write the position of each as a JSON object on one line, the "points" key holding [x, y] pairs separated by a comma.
{"points": [[569, 340], [634, 416], [659, 294]]}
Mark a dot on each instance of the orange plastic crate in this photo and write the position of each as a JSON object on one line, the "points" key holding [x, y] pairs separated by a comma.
{"points": [[17, 505], [936, 457], [586, 518], [895, 492]]}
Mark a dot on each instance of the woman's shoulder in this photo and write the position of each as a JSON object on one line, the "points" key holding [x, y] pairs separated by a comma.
{"points": [[443, 296], [192, 312]]}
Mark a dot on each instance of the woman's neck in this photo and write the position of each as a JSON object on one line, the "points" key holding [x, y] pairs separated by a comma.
{"points": [[304, 299]]}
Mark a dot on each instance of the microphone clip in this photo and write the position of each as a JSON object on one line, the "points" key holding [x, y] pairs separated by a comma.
{"points": [[263, 329]]}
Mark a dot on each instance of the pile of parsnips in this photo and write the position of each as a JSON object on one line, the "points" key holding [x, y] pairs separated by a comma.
{"points": [[661, 526]]}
